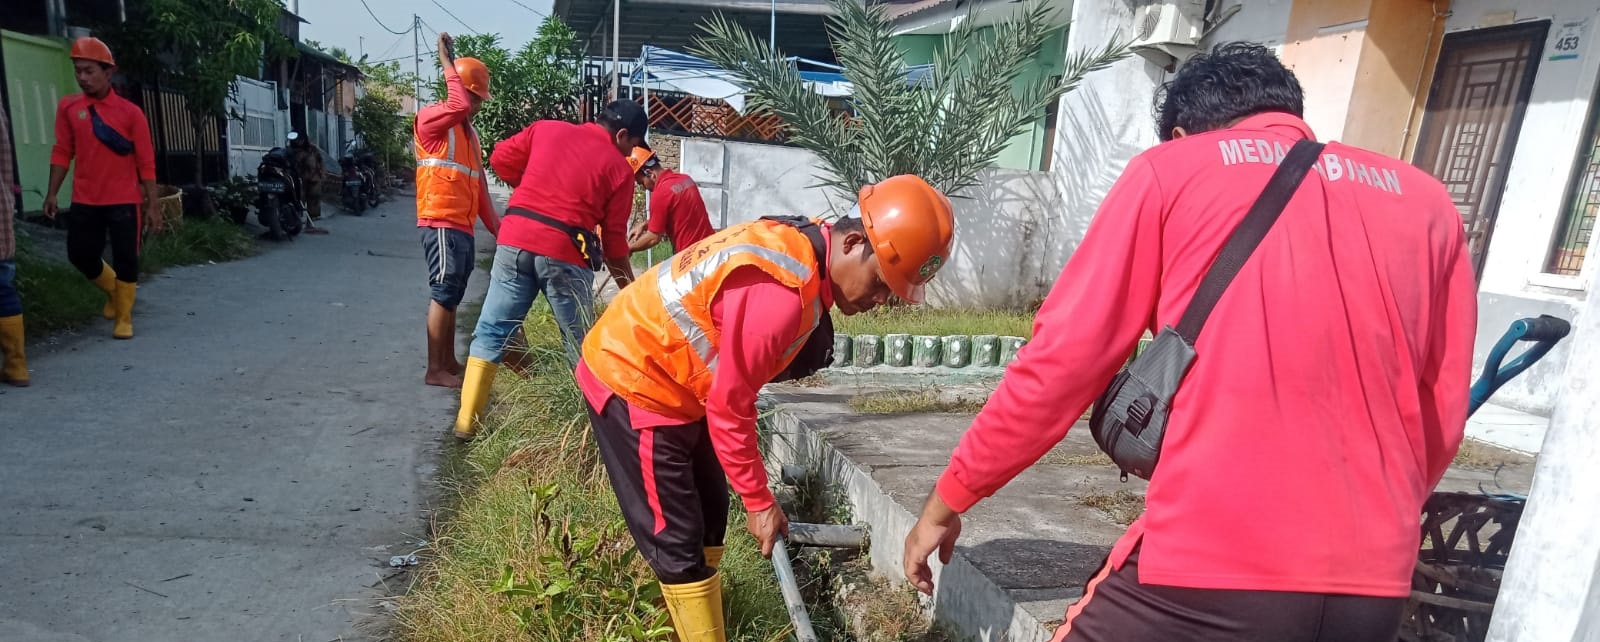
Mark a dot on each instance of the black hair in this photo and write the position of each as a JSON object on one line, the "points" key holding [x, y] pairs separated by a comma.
{"points": [[621, 115], [1233, 81], [852, 224]]}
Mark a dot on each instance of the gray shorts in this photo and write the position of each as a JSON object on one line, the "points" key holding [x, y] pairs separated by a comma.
{"points": [[449, 254]]}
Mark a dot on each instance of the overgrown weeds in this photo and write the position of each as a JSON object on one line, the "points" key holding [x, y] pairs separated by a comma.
{"points": [[937, 322], [1476, 455], [900, 402], [1123, 506], [533, 545], [195, 242]]}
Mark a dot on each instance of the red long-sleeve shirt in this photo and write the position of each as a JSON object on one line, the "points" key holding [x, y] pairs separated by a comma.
{"points": [[1330, 389], [758, 318], [433, 128], [572, 173], [100, 176]]}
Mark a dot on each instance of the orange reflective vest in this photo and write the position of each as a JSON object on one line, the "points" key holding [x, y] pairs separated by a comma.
{"points": [[448, 181], [656, 346]]}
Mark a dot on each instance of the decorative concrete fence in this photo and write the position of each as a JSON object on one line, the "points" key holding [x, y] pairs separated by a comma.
{"points": [[925, 351]]}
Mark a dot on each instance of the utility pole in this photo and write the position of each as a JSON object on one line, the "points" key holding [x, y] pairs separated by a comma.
{"points": [[361, 47], [416, 63], [616, 56], [772, 28]]}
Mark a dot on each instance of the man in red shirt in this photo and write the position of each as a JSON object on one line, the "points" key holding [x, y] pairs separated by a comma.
{"points": [[108, 139], [567, 180], [452, 195], [1327, 399], [676, 209]]}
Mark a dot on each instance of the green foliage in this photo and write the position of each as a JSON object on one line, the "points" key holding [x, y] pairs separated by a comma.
{"points": [[938, 322], [195, 242], [387, 78], [945, 128], [198, 47], [385, 130], [537, 82], [236, 193]]}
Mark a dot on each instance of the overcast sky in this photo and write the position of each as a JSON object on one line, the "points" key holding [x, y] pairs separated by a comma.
{"points": [[346, 23]]}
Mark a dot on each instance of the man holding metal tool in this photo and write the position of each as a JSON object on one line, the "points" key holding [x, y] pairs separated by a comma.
{"points": [[671, 370], [452, 194], [1324, 400]]}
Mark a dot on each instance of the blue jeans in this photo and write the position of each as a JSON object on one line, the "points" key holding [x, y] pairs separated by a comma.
{"points": [[516, 280], [10, 301]]}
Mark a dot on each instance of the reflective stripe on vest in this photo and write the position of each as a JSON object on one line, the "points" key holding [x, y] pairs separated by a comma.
{"points": [[446, 162], [673, 290]]}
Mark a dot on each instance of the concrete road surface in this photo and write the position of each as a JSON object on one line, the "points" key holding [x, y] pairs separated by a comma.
{"points": [[241, 470]]}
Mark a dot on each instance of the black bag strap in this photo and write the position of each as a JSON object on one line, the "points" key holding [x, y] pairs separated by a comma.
{"points": [[552, 222], [1242, 243], [813, 233]]}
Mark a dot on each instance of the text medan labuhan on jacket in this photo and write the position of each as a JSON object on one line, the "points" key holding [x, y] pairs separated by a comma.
{"points": [[1332, 167]]}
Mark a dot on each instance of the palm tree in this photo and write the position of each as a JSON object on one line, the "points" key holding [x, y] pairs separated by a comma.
{"points": [[944, 126]]}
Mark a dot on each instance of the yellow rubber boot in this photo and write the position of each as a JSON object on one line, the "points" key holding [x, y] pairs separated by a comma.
{"points": [[475, 383], [123, 296], [713, 557], [107, 282], [696, 609], [14, 368]]}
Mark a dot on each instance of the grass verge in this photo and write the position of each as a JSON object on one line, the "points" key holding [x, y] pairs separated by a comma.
{"points": [[532, 544], [937, 322], [56, 297], [1476, 455], [900, 402]]}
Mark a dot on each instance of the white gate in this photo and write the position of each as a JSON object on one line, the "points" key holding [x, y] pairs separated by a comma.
{"points": [[255, 125]]}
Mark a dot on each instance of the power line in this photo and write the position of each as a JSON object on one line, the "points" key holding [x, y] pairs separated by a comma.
{"points": [[380, 22], [441, 7], [397, 42], [535, 11]]}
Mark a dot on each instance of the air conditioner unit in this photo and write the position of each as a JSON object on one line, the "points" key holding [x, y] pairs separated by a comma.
{"points": [[1166, 31]]}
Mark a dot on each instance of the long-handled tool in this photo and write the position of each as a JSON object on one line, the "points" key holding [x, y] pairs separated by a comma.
{"points": [[1544, 331], [813, 535]]}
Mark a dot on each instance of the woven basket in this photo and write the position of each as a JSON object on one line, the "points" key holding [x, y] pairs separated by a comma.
{"points": [[170, 204], [1466, 539]]}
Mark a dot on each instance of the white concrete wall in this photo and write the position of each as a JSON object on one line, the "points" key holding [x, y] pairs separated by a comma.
{"points": [[1513, 284], [1002, 227]]}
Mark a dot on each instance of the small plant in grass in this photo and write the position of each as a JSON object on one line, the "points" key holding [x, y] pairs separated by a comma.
{"points": [[585, 578], [55, 296], [234, 197]]}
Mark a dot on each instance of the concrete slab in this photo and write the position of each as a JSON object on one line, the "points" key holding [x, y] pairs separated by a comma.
{"points": [[1026, 553], [1508, 428]]}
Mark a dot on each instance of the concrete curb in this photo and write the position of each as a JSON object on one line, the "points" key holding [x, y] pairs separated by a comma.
{"points": [[968, 603]]}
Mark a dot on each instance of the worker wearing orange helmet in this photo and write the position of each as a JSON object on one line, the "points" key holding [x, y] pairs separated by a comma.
{"points": [[676, 209], [671, 370], [106, 139], [452, 195]]}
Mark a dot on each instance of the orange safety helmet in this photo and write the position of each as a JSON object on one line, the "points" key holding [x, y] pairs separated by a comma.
{"points": [[91, 49], [474, 75], [641, 158], [911, 226]]}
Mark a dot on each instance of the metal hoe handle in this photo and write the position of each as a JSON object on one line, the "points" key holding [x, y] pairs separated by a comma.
{"points": [[791, 593]]}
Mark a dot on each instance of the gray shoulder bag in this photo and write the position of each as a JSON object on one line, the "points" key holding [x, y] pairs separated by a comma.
{"points": [[1130, 417]]}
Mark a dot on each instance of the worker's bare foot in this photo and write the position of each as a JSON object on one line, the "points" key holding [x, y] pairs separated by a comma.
{"points": [[456, 368], [444, 379]]}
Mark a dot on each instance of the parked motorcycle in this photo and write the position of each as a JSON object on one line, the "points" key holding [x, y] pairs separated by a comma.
{"points": [[360, 190], [278, 205]]}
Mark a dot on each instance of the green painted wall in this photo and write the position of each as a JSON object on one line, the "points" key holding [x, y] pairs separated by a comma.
{"points": [[1026, 150], [38, 75]]}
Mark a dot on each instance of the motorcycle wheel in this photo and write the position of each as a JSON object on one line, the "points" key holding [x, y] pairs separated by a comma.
{"points": [[292, 219], [373, 197], [354, 203], [269, 216]]}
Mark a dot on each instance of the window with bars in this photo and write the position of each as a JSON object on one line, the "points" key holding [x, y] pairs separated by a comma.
{"points": [[1578, 209]]}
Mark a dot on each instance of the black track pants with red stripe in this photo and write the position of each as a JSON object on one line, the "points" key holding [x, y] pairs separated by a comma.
{"points": [[1117, 608], [671, 487]]}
